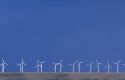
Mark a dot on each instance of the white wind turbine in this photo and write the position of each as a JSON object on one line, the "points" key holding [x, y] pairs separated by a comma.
{"points": [[79, 65], [117, 65], [37, 66], [21, 65], [55, 66], [41, 65], [123, 65], [3, 65], [73, 66], [60, 65], [108, 67], [98, 66], [90, 67]]}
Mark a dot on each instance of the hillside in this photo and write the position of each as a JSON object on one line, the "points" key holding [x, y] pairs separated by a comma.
{"points": [[62, 76]]}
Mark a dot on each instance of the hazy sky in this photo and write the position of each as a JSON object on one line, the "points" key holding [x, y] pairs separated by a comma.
{"points": [[54, 29]]}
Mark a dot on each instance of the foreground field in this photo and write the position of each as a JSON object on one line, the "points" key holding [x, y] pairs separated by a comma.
{"points": [[62, 76]]}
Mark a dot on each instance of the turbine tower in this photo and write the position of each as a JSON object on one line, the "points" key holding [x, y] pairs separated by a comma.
{"points": [[41, 65], [98, 66], [58, 64], [55, 66], [37, 66], [90, 67], [117, 65], [108, 67], [73, 66], [3, 65], [21, 65], [79, 65]]}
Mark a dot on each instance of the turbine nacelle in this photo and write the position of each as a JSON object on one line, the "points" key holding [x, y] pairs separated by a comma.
{"points": [[108, 65], [117, 62]]}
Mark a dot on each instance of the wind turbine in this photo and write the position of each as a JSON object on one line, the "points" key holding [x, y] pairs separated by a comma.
{"points": [[3, 65], [123, 65], [60, 65], [98, 66], [108, 67], [73, 66], [21, 65], [41, 65], [79, 65], [90, 67], [37, 66], [55, 66], [117, 65]]}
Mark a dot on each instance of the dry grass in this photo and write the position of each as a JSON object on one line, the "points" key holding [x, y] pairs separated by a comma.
{"points": [[62, 76]]}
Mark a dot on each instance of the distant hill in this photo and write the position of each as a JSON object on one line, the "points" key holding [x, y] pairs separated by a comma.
{"points": [[62, 76]]}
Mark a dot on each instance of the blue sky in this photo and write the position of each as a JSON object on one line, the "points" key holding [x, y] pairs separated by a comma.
{"points": [[54, 29]]}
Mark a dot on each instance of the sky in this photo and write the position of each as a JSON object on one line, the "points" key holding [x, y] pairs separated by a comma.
{"points": [[50, 30]]}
